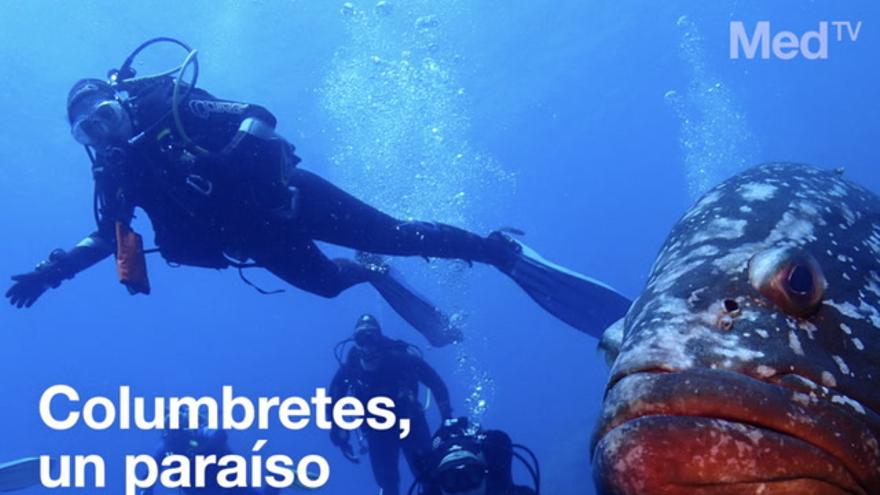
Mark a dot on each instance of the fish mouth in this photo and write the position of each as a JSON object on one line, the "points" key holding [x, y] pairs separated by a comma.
{"points": [[706, 431]]}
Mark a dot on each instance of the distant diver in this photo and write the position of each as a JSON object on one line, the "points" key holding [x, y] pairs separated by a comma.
{"points": [[468, 460], [222, 189], [378, 366], [201, 441]]}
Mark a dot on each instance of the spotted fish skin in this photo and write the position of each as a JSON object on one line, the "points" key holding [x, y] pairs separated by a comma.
{"points": [[709, 356]]}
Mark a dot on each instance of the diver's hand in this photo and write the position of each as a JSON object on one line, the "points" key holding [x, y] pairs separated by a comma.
{"points": [[349, 454], [446, 411], [48, 274], [340, 438], [28, 287]]}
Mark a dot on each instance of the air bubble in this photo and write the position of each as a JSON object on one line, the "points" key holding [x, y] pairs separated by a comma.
{"points": [[384, 8], [427, 22], [715, 138]]}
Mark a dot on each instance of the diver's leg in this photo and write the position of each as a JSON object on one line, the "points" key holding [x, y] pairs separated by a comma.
{"points": [[417, 446], [327, 213], [384, 453], [303, 265]]}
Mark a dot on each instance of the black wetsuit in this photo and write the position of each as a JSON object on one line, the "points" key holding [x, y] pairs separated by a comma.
{"points": [[397, 375], [204, 442], [248, 200]]}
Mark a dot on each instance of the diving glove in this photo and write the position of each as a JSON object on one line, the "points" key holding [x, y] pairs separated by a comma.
{"points": [[48, 274]]}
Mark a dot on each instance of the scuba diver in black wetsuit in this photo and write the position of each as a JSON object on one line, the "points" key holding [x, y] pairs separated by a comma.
{"points": [[222, 189], [467, 460], [379, 366], [201, 441]]}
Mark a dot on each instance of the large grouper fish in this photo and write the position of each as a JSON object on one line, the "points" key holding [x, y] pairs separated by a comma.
{"points": [[750, 364]]}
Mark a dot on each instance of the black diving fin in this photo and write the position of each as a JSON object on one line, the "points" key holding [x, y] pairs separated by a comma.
{"points": [[413, 307], [19, 474], [584, 303]]}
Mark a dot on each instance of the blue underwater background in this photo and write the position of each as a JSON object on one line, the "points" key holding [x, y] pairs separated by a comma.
{"points": [[589, 124]]}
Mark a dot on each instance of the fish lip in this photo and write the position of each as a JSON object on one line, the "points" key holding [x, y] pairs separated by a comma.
{"points": [[659, 471], [863, 467]]}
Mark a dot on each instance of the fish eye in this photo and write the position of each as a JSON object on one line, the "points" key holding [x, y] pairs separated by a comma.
{"points": [[800, 279], [789, 277]]}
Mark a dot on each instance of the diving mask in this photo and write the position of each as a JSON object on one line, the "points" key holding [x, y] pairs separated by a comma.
{"points": [[103, 122]]}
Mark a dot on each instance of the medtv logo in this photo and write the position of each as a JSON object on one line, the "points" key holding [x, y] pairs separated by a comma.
{"points": [[788, 45]]}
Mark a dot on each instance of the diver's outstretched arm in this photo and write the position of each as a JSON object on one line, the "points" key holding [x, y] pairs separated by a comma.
{"points": [[432, 380], [61, 265], [339, 387]]}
